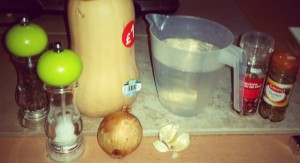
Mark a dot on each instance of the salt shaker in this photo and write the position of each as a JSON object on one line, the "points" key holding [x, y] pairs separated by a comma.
{"points": [[64, 125], [26, 41], [59, 69]]}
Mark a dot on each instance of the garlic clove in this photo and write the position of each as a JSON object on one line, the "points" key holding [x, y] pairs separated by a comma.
{"points": [[168, 133], [160, 146], [181, 142], [171, 140]]}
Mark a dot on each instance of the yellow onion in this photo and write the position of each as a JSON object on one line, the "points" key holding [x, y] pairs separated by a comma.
{"points": [[120, 133]]}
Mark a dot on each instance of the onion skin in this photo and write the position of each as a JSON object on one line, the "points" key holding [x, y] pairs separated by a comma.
{"points": [[119, 134]]}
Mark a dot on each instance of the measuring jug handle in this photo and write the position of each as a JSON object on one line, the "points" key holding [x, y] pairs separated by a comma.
{"points": [[236, 58]]}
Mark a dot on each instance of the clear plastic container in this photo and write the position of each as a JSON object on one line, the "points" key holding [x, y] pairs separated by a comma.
{"points": [[189, 55]]}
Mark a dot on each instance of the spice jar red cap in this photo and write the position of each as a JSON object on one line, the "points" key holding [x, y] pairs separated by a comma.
{"points": [[285, 62]]}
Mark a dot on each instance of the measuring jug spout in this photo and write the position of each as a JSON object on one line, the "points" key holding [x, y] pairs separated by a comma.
{"points": [[156, 21]]}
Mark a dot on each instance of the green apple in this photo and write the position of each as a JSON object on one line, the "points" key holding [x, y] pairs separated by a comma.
{"points": [[26, 39], [59, 68]]}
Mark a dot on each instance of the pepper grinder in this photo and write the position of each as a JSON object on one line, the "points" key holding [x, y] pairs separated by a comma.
{"points": [[59, 69], [26, 41]]}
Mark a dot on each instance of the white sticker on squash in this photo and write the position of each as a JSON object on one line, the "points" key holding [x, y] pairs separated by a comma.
{"points": [[131, 87]]}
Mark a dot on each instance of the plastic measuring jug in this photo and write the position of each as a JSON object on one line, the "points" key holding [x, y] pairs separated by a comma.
{"points": [[188, 57]]}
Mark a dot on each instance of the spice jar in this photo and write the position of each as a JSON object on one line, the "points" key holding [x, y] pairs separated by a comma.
{"points": [[258, 47], [59, 69], [282, 74], [26, 41]]}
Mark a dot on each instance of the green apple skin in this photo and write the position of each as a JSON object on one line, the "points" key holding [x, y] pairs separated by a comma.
{"points": [[59, 69], [26, 41]]}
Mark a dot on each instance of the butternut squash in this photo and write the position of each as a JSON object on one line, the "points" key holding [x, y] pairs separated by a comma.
{"points": [[102, 34]]}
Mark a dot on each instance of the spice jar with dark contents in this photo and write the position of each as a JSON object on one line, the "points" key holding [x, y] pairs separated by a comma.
{"points": [[30, 94], [258, 47], [278, 86], [26, 41]]}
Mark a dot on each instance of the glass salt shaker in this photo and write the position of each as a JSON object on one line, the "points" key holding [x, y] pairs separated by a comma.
{"points": [[59, 69], [64, 125], [26, 41]]}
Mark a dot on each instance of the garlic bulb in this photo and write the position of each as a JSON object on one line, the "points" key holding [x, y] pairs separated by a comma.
{"points": [[170, 139]]}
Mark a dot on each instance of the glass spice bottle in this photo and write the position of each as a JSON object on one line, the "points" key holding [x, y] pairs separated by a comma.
{"points": [[26, 41], [258, 47], [282, 74]]}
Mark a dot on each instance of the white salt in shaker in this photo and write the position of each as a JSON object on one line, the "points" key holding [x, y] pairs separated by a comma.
{"points": [[64, 125]]}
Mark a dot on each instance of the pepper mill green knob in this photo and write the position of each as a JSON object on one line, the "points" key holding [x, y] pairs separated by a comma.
{"points": [[26, 39]]}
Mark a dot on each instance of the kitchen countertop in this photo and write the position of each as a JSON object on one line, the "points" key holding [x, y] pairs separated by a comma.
{"points": [[212, 134]]}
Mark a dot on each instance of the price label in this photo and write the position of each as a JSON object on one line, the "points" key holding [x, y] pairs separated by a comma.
{"points": [[128, 34]]}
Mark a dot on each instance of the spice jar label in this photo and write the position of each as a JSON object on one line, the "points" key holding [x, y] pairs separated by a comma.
{"points": [[128, 34], [131, 87], [277, 94], [252, 87]]}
